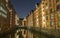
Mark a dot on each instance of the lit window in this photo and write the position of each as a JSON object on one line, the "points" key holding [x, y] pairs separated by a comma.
{"points": [[2, 9], [37, 19], [6, 0], [51, 16], [58, 14], [58, 18], [17, 31], [44, 22], [37, 24], [46, 7], [36, 16], [4, 15], [10, 10], [43, 17], [51, 23], [6, 4]]}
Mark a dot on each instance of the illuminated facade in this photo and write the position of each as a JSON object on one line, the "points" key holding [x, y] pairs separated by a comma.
{"points": [[16, 19], [57, 14], [36, 16], [23, 23], [7, 15], [49, 13], [3, 16], [11, 15], [46, 15], [30, 19], [20, 21], [30, 24]]}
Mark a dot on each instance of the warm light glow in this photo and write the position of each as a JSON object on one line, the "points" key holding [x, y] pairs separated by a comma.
{"points": [[58, 12], [37, 20], [43, 17], [43, 22], [6, 0], [16, 36], [43, 13], [16, 19], [6, 5], [24, 19], [42, 9], [46, 7], [10, 10], [37, 23], [17, 31], [36, 16]]}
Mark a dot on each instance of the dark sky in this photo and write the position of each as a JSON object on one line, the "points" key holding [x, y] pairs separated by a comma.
{"points": [[23, 7]]}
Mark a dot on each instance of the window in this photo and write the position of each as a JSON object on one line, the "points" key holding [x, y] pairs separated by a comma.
{"points": [[58, 14], [50, 4], [46, 12], [51, 23], [51, 16], [2, 9], [46, 4], [59, 23], [42, 2], [47, 17], [57, 0], [4, 15], [50, 10], [58, 7], [24, 32], [6, 0], [24, 22]]}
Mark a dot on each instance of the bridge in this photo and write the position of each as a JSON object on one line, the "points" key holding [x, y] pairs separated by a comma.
{"points": [[39, 31]]}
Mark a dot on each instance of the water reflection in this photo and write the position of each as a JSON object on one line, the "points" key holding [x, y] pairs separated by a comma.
{"points": [[31, 33], [20, 34]]}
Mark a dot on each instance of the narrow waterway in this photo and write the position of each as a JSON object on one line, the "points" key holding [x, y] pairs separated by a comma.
{"points": [[31, 33]]}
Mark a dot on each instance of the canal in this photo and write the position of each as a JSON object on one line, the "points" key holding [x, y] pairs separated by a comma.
{"points": [[31, 33]]}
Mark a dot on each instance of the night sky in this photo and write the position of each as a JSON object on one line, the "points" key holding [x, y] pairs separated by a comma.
{"points": [[23, 7]]}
